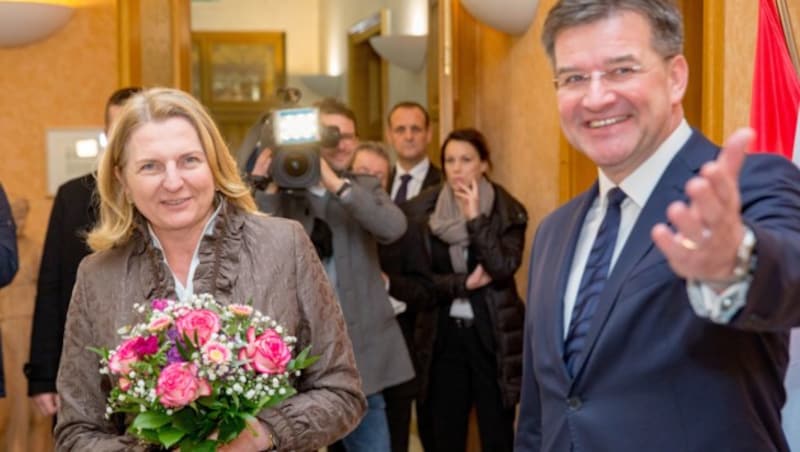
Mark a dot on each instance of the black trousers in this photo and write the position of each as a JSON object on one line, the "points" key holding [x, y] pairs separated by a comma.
{"points": [[464, 373], [398, 413]]}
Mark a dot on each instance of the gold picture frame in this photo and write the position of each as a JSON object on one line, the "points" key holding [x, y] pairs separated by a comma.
{"points": [[237, 70]]}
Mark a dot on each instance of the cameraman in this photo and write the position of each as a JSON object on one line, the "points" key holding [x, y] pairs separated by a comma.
{"points": [[345, 215]]}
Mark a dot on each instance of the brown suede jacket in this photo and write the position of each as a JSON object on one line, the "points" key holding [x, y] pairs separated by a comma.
{"points": [[267, 259]]}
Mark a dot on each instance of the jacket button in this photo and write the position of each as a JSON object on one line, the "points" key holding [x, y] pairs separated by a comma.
{"points": [[574, 403]]}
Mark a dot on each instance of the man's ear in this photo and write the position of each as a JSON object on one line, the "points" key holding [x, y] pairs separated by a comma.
{"points": [[679, 77]]}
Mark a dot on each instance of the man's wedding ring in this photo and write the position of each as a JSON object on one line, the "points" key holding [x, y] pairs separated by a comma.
{"points": [[690, 244]]}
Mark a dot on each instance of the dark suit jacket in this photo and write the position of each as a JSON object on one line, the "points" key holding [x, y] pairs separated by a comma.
{"points": [[654, 376], [74, 213], [405, 261]]}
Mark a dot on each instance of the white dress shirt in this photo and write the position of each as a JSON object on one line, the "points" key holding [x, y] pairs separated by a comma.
{"points": [[418, 173], [638, 186]]}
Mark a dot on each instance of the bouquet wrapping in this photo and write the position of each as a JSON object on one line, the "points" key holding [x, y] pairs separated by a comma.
{"points": [[193, 372]]}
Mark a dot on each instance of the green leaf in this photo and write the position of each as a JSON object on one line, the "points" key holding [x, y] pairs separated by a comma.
{"points": [[151, 436], [195, 445], [168, 436], [185, 419], [150, 420], [103, 352], [230, 428]]}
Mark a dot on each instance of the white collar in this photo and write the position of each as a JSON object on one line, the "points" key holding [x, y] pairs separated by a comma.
{"points": [[642, 181], [417, 172]]}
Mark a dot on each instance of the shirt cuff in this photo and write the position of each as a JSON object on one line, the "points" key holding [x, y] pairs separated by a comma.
{"points": [[718, 307]]}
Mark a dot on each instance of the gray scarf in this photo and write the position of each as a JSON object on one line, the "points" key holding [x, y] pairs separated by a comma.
{"points": [[449, 224]]}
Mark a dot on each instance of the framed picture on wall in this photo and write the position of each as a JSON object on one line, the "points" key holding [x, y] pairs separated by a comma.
{"points": [[235, 70]]}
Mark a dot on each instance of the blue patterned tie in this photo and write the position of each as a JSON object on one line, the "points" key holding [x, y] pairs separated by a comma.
{"points": [[402, 190], [594, 279]]}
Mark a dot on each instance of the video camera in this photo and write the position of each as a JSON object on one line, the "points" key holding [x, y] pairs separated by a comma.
{"points": [[295, 136]]}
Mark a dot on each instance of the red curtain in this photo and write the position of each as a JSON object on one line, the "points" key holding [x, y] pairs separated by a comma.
{"points": [[776, 87]]}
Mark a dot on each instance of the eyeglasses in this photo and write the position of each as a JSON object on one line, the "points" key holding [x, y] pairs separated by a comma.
{"points": [[579, 81]]}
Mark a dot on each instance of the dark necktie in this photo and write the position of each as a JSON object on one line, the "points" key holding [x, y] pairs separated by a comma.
{"points": [[594, 279], [402, 190]]}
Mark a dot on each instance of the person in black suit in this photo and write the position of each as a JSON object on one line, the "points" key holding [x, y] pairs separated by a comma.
{"points": [[409, 134], [660, 300], [74, 213]]}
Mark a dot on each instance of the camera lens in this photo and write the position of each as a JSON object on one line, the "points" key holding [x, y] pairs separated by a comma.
{"points": [[296, 165]]}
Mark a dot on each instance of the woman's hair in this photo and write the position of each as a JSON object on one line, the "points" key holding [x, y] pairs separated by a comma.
{"points": [[471, 136], [116, 222]]}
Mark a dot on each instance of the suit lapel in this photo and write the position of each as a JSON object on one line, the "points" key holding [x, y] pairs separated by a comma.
{"points": [[669, 188]]}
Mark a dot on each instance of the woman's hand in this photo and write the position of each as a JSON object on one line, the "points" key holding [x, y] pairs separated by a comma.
{"points": [[477, 279], [254, 437], [468, 198], [47, 403]]}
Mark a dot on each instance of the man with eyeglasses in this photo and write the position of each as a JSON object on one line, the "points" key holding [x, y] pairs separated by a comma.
{"points": [[346, 215], [661, 299]]}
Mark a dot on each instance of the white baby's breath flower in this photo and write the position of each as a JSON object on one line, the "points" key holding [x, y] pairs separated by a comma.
{"points": [[238, 388], [275, 382], [121, 397], [249, 394], [282, 391]]}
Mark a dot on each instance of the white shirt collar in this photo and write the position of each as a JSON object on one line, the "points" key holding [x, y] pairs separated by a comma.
{"points": [[640, 183], [418, 172], [184, 293]]}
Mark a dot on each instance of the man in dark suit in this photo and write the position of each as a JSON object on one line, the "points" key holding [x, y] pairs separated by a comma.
{"points": [[660, 300], [409, 134], [73, 214]]}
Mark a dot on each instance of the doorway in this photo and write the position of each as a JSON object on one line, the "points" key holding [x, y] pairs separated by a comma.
{"points": [[367, 76]]}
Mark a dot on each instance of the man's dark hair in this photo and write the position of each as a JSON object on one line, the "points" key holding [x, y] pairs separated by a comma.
{"points": [[409, 104], [331, 106], [664, 17], [118, 98]]}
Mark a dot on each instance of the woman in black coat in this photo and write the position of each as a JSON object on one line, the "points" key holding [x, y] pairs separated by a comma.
{"points": [[476, 235]]}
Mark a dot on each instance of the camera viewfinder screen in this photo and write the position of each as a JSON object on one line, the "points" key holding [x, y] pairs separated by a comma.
{"points": [[296, 126]]}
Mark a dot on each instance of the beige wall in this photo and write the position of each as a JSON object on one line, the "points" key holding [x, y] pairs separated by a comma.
{"points": [[60, 82], [298, 18]]}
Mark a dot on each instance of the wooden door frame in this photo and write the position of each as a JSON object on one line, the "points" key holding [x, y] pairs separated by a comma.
{"points": [[374, 25]]}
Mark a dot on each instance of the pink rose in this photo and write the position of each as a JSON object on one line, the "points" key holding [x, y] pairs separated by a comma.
{"points": [[159, 323], [216, 352], [145, 346], [200, 322], [159, 304], [178, 385], [124, 384], [120, 360], [241, 310], [268, 353]]}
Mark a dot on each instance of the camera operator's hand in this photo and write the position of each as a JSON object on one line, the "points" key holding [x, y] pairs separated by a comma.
{"points": [[263, 161], [261, 169], [332, 182]]}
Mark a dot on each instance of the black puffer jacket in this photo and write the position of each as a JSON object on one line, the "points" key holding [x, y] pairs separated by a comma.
{"points": [[496, 242]]}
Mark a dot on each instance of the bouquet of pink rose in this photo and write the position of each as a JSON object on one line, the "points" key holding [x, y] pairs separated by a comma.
{"points": [[195, 368]]}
